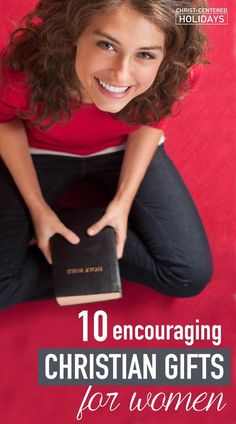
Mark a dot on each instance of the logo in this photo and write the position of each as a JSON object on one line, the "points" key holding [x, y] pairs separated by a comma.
{"points": [[201, 16]]}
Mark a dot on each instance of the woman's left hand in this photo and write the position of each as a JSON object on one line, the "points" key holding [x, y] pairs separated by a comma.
{"points": [[116, 216]]}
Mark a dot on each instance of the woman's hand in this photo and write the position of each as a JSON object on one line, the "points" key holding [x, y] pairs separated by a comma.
{"points": [[46, 224], [116, 216]]}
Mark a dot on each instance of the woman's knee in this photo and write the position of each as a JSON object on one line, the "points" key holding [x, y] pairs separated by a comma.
{"points": [[195, 279], [185, 280]]}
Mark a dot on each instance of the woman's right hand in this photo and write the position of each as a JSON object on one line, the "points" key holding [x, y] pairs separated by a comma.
{"points": [[46, 224]]}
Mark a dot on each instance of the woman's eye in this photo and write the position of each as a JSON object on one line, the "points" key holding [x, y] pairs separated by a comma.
{"points": [[146, 55], [105, 45]]}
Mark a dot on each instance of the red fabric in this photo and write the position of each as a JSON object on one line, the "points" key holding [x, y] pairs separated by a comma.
{"points": [[200, 141], [88, 131]]}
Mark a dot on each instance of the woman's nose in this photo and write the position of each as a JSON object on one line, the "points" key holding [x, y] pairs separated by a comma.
{"points": [[121, 71]]}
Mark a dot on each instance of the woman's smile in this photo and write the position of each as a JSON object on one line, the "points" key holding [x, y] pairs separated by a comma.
{"points": [[111, 90]]}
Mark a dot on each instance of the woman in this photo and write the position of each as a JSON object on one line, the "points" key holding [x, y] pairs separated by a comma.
{"points": [[86, 86]]}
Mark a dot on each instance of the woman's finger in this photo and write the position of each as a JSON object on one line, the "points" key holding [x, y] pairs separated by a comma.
{"points": [[69, 235], [98, 226]]}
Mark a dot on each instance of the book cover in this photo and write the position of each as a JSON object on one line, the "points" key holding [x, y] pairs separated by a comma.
{"points": [[88, 271]]}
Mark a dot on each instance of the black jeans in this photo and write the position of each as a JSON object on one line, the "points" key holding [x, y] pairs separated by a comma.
{"points": [[166, 245]]}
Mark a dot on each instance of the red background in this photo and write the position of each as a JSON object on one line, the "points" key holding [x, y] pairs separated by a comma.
{"points": [[200, 141]]}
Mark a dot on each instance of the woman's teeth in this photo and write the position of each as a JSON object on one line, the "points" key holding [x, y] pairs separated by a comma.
{"points": [[111, 88]]}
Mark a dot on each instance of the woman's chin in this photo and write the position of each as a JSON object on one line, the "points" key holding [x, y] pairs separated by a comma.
{"points": [[111, 107]]}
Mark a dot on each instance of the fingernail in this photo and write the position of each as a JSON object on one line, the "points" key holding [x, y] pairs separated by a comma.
{"points": [[90, 231]]}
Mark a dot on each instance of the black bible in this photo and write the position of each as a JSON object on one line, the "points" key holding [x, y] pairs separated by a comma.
{"points": [[88, 271]]}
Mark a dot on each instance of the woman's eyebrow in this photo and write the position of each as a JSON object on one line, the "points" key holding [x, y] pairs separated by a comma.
{"points": [[109, 37]]}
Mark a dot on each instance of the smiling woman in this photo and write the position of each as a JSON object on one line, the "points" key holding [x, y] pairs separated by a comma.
{"points": [[84, 88], [47, 53], [118, 67]]}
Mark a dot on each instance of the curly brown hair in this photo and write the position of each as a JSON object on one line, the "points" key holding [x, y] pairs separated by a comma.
{"points": [[44, 49]]}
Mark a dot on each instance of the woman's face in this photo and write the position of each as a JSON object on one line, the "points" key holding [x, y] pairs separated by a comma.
{"points": [[117, 58]]}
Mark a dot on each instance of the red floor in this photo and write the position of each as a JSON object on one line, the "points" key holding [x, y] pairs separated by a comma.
{"points": [[200, 141]]}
